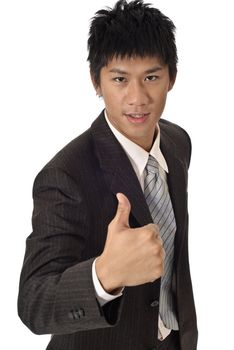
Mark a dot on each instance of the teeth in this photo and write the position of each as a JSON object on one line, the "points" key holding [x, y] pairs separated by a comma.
{"points": [[137, 116]]}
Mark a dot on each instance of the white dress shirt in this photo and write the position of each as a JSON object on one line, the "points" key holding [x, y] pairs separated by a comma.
{"points": [[138, 158]]}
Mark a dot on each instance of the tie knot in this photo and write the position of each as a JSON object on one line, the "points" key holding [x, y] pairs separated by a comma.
{"points": [[152, 165]]}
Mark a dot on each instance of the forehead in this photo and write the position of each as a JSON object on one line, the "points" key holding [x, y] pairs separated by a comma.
{"points": [[136, 64]]}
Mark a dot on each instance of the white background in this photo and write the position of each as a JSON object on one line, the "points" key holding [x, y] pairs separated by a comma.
{"points": [[46, 99]]}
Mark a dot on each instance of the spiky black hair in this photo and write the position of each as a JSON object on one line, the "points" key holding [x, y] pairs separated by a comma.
{"points": [[130, 29]]}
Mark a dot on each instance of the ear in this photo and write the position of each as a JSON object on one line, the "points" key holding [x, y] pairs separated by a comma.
{"points": [[172, 82], [95, 85]]}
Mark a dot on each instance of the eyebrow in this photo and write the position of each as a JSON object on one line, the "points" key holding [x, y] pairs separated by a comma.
{"points": [[148, 71]]}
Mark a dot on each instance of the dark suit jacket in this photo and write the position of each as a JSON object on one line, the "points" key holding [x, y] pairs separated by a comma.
{"points": [[74, 201]]}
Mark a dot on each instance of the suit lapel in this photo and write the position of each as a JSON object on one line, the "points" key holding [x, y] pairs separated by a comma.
{"points": [[118, 170], [125, 181]]}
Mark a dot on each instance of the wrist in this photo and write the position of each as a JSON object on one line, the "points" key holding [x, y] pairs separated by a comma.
{"points": [[104, 276]]}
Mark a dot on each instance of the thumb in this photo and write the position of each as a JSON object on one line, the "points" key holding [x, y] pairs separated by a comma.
{"points": [[123, 210]]}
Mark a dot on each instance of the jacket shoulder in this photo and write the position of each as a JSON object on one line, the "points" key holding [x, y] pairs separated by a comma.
{"points": [[71, 155], [174, 130], [178, 136]]}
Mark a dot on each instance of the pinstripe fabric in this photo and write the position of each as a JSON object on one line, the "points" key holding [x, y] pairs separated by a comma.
{"points": [[160, 206]]}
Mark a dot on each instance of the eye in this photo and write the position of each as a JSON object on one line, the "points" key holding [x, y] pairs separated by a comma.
{"points": [[152, 77], [119, 79]]}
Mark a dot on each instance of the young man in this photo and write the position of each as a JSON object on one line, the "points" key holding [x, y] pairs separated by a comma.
{"points": [[106, 266]]}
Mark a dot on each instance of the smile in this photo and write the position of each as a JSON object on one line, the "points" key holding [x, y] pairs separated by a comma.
{"points": [[137, 117]]}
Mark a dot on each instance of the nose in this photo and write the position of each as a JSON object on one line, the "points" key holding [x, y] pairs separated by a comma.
{"points": [[136, 94]]}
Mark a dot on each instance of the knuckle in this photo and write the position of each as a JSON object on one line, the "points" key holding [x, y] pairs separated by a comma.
{"points": [[120, 209], [160, 269], [156, 250], [150, 231], [153, 228], [159, 241], [147, 234]]}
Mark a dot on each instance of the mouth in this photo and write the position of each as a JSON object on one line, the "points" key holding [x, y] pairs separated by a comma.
{"points": [[137, 118]]}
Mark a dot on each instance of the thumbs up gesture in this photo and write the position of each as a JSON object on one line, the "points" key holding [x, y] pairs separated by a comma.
{"points": [[131, 256]]}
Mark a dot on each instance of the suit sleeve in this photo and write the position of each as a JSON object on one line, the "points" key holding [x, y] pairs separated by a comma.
{"points": [[56, 293]]}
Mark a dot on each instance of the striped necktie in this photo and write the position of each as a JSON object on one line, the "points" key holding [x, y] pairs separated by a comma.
{"points": [[160, 206]]}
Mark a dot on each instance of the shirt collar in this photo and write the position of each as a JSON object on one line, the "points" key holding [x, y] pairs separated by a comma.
{"points": [[137, 154]]}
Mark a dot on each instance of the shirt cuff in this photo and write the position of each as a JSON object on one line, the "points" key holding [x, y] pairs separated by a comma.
{"points": [[102, 296]]}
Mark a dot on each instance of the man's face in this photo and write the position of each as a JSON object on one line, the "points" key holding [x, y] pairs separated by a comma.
{"points": [[134, 92]]}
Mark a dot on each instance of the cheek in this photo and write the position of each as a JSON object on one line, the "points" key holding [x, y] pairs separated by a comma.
{"points": [[112, 99], [162, 96], [159, 102], [163, 102]]}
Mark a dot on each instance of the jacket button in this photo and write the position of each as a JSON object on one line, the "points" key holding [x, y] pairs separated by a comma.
{"points": [[154, 304], [80, 313], [76, 314]]}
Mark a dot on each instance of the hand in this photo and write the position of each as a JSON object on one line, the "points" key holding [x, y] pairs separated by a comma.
{"points": [[131, 256]]}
